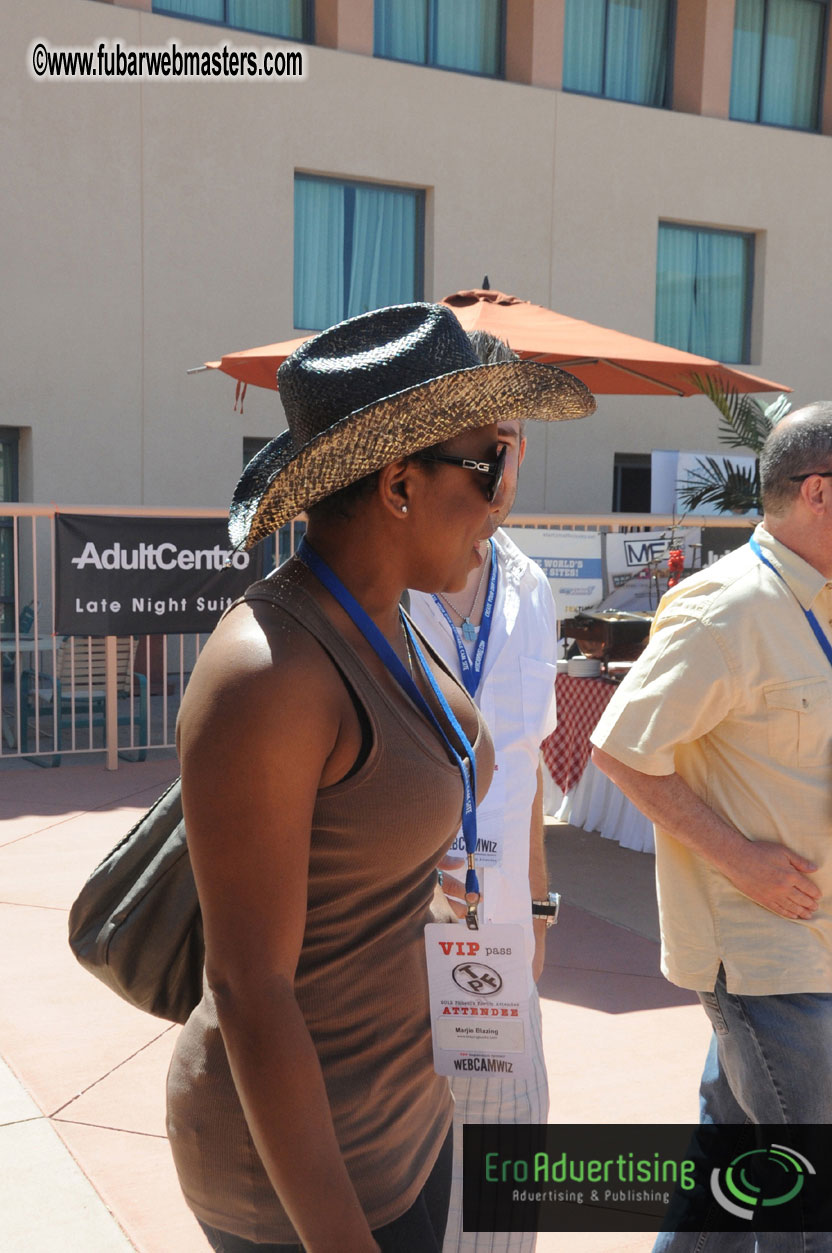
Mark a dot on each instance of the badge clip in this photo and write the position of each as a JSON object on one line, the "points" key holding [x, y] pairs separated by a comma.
{"points": [[471, 920]]}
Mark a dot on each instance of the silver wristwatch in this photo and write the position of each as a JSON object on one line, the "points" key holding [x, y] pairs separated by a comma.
{"points": [[547, 909]]}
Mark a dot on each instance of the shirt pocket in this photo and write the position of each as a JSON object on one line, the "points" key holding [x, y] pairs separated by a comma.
{"points": [[537, 687], [799, 716]]}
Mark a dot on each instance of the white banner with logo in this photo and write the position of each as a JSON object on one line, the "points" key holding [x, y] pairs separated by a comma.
{"points": [[571, 560], [637, 570]]}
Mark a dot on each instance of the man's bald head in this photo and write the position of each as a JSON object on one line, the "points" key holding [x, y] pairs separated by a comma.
{"points": [[800, 442]]}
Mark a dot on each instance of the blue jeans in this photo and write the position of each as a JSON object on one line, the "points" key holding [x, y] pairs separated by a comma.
{"points": [[769, 1061], [420, 1230]]}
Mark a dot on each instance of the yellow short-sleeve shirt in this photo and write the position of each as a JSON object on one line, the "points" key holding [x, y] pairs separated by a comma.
{"points": [[734, 693]]}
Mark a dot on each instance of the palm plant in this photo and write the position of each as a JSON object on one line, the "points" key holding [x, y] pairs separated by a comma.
{"points": [[744, 423]]}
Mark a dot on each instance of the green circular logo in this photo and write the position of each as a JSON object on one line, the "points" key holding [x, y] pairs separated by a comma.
{"points": [[740, 1194]]}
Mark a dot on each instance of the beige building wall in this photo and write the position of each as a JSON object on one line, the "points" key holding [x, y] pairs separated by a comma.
{"points": [[149, 228]]}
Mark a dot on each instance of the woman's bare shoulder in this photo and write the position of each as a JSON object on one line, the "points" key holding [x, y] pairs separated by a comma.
{"points": [[258, 660]]}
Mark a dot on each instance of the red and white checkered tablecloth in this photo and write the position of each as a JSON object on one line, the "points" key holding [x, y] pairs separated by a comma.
{"points": [[580, 704]]}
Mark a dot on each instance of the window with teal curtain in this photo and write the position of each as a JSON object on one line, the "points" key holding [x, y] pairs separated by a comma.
{"points": [[358, 246], [704, 283], [619, 49], [288, 19], [777, 62], [401, 30], [450, 34]]}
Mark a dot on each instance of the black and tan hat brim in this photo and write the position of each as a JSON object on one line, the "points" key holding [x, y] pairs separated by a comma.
{"points": [[282, 481]]}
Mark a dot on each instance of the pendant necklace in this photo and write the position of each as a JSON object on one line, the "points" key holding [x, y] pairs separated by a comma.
{"points": [[469, 630]]}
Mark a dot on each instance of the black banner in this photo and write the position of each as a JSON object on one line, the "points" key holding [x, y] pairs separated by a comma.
{"points": [[646, 1177], [145, 576]]}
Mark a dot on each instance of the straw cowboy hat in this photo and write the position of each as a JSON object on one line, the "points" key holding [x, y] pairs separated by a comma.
{"points": [[376, 388]]}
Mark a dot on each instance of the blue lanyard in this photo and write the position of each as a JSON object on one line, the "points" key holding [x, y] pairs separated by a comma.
{"points": [[467, 764], [471, 671], [820, 635]]}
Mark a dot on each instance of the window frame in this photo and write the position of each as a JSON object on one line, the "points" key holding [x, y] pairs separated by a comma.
{"points": [[824, 53], [622, 462], [750, 238], [430, 43], [10, 435], [307, 21], [420, 194], [667, 102]]}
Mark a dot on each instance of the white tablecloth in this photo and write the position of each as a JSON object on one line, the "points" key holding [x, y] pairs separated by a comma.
{"points": [[596, 804]]}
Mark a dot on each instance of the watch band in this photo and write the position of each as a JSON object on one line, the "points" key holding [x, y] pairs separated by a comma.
{"points": [[547, 909]]}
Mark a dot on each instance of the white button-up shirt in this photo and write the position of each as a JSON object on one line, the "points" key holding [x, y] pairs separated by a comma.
{"points": [[517, 698]]}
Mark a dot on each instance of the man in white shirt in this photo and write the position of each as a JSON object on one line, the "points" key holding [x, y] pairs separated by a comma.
{"points": [[513, 683]]}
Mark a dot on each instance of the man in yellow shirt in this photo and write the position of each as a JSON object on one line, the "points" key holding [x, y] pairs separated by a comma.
{"points": [[722, 735]]}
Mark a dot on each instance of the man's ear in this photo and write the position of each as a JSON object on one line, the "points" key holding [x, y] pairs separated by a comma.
{"points": [[521, 454], [816, 493]]}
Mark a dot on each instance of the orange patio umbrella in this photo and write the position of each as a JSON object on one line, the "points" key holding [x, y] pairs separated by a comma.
{"points": [[609, 362]]}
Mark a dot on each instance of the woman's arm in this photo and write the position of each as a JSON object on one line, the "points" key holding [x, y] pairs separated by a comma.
{"points": [[261, 729]]}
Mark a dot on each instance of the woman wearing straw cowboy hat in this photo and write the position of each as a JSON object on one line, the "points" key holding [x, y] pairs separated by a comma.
{"points": [[325, 763]]}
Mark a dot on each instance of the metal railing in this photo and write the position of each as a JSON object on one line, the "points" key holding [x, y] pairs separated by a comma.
{"points": [[59, 695], [56, 699]]}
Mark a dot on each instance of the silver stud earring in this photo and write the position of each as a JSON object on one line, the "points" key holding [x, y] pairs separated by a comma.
{"points": [[404, 508]]}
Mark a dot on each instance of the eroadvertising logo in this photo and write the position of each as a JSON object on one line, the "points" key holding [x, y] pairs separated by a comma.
{"points": [[145, 576], [739, 1189], [646, 1177], [572, 1177]]}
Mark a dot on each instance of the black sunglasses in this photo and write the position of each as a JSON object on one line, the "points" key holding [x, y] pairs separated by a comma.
{"points": [[800, 478], [494, 469]]}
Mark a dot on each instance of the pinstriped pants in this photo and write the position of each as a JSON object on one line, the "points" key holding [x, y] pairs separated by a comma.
{"points": [[494, 1098]]}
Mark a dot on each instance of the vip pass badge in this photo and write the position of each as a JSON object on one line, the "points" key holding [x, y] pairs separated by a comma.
{"points": [[767, 1178], [479, 999]]}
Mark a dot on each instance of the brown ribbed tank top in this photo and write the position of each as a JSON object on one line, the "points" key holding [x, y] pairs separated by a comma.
{"points": [[361, 981]]}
